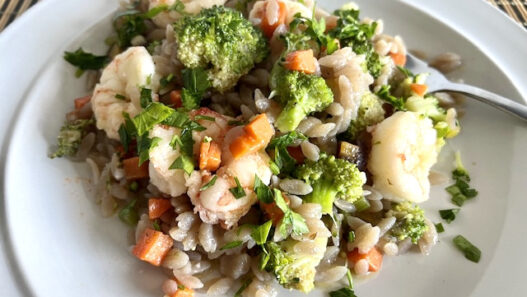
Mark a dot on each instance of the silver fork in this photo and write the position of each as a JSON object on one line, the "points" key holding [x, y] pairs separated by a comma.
{"points": [[437, 82]]}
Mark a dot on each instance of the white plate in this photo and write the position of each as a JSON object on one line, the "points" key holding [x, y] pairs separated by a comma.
{"points": [[58, 244]]}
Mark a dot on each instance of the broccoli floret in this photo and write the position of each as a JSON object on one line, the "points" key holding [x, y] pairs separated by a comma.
{"points": [[70, 137], [332, 178], [370, 113], [223, 42], [410, 221], [300, 94], [293, 270]]}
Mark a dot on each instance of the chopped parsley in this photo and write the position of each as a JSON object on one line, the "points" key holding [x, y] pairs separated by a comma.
{"points": [[85, 61], [203, 117], [314, 30], [282, 158], [128, 214], [156, 225], [195, 84], [231, 245], [262, 191], [439, 228], [146, 97], [244, 286], [120, 97], [290, 219], [460, 190], [238, 192], [184, 162], [351, 32], [209, 184], [260, 233]]}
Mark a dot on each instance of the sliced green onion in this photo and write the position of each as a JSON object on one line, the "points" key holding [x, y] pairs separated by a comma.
{"points": [[209, 184], [449, 214], [439, 228], [470, 251]]}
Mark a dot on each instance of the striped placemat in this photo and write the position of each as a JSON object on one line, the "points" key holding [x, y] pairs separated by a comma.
{"points": [[11, 9]]}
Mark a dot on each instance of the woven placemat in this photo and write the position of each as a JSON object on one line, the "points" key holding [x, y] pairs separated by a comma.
{"points": [[11, 9]]}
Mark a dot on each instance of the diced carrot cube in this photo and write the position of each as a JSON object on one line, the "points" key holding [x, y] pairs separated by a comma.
{"points": [[175, 98], [373, 256], [419, 89], [157, 207], [260, 128], [185, 292], [398, 58], [303, 61], [296, 153], [209, 156], [153, 246], [267, 27], [80, 102], [133, 171]]}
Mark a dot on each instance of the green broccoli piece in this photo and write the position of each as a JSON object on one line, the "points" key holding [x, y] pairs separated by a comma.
{"points": [[292, 270], [370, 113], [221, 41], [427, 106], [410, 221], [332, 178], [300, 94], [70, 137]]}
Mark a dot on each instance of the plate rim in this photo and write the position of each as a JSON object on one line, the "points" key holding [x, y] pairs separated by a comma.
{"points": [[40, 8]]}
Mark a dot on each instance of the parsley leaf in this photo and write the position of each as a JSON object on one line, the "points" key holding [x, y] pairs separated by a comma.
{"points": [[344, 292], [195, 84], [282, 158], [84, 61], [183, 162], [238, 192], [144, 145], [128, 214], [351, 32], [146, 97], [126, 131], [290, 219], [244, 286], [209, 184], [315, 30], [231, 245], [261, 232], [152, 115], [262, 191]]}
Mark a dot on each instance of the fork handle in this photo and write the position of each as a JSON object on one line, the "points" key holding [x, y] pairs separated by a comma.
{"points": [[500, 102]]}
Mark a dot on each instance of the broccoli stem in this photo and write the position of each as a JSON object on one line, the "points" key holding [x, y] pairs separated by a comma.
{"points": [[324, 193], [290, 118]]}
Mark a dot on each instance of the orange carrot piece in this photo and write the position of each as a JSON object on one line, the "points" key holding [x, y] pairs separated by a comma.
{"points": [[80, 102], [175, 98], [272, 212], [153, 246], [256, 136], [419, 89], [259, 127], [157, 207], [133, 171], [303, 61], [373, 256], [186, 292], [209, 156], [268, 28], [398, 58], [296, 153]]}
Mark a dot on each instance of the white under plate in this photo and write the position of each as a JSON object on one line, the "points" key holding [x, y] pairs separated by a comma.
{"points": [[58, 244]]}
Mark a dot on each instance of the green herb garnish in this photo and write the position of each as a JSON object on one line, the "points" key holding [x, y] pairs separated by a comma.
{"points": [[470, 251], [209, 184], [238, 192], [449, 214]]}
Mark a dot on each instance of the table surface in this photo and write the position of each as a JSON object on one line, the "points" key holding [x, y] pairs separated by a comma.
{"points": [[11, 9]]}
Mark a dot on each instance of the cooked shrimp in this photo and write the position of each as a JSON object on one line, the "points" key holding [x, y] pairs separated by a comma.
{"points": [[403, 151], [191, 6], [292, 7], [172, 181], [119, 88], [217, 204], [169, 181], [216, 126]]}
